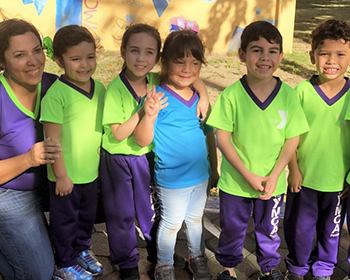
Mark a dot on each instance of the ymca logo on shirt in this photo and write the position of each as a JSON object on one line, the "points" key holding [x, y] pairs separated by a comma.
{"points": [[280, 123]]}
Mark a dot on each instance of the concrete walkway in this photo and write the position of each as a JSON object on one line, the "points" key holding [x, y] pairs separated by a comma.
{"points": [[247, 270]]}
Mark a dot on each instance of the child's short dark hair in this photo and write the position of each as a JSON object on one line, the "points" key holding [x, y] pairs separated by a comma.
{"points": [[332, 29], [257, 29], [178, 45], [69, 36]]}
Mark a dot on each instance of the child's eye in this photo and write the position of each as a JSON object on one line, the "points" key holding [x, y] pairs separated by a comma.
{"points": [[150, 53], [134, 50], [75, 59], [196, 63], [91, 57], [179, 62], [322, 54]]}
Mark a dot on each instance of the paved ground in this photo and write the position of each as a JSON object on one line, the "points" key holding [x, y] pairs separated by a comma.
{"points": [[247, 270]]}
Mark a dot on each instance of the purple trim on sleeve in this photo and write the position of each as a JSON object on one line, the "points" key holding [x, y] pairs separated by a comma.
{"points": [[329, 101], [83, 92], [129, 87], [268, 101], [188, 103]]}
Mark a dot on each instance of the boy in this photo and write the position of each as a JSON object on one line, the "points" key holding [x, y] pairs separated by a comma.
{"points": [[259, 120], [318, 169]]}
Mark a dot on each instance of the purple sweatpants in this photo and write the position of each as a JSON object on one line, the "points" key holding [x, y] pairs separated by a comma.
{"points": [[126, 196], [71, 221], [234, 215], [311, 212]]}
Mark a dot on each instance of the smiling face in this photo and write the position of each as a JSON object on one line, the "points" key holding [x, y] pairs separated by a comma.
{"points": [[24, 61], [79, 63], [140, 55], [261, 58], [183, 72], [332, 59]]}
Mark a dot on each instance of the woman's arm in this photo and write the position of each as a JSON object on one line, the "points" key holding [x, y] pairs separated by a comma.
{"points": [[45, 152]]}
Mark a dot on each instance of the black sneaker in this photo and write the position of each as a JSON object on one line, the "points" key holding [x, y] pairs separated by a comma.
{"points": [[225, 275], [274, 275], [291, 276], [130, 274], [165, 272], [199, 268]]}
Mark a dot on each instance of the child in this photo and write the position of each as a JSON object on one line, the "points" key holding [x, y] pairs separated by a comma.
{"points": [[316, 174], [259, 120], [72, 115], [181, 164], [126, 192]]}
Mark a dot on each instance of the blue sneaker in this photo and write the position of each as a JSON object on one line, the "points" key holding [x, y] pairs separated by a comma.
{"points": [[87, 260], [72, 273]]}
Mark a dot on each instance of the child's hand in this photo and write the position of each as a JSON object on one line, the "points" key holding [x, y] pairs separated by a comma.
{"points": [[256, 182], [294, 181], [270, 187], [214, 179], [154, 102], [202, 108], [64, 186], [344, 193]]}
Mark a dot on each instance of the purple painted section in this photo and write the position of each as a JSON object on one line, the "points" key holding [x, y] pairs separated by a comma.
{"points": [[188, 103]]}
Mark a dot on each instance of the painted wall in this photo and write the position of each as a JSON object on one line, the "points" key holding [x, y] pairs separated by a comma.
{"points": [[220, 21]]}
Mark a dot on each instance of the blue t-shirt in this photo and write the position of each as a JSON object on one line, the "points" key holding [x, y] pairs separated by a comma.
{"points": [[180, 144]]}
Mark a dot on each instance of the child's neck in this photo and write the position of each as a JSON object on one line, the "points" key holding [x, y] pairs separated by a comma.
{"points": [[331, 87], [137, 83], [262, 88], [185, 92]]}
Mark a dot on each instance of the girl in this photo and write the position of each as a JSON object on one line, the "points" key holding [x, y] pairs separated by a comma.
{"points": [[181, 164], [126, 192], [72, 115], [23, 154]]}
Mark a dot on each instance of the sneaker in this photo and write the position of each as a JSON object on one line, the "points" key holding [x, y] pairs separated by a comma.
{"points": [[165, 272], [73, 273], [225, 275], [87, 260], [321, 278], [274, 275], [130, 274], [291, 276], [199, 268]]}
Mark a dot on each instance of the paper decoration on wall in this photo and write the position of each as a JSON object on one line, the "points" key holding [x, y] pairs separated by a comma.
{"points": [[257, 10], [160, 6], [180, 23], [235, 42], [39, 4], [68, 12], [130, 18]]}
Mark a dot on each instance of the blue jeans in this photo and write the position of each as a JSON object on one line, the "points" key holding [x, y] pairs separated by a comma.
{"points": [[178, 206], [25, 248]]}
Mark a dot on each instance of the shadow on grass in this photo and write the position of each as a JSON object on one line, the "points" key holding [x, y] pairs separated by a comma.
{"points": [[296, 68]]}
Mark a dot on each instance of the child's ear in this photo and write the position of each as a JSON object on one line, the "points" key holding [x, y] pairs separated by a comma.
{"points": [[241, 55], [59, 61], [281, 57], [122, 52], [312, 57]]}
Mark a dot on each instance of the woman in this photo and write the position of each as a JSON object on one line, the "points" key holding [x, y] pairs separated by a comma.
{"points": [[25, 249]]}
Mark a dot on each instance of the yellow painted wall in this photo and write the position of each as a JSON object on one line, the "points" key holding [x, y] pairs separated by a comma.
{"points": [[220, 21]]}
